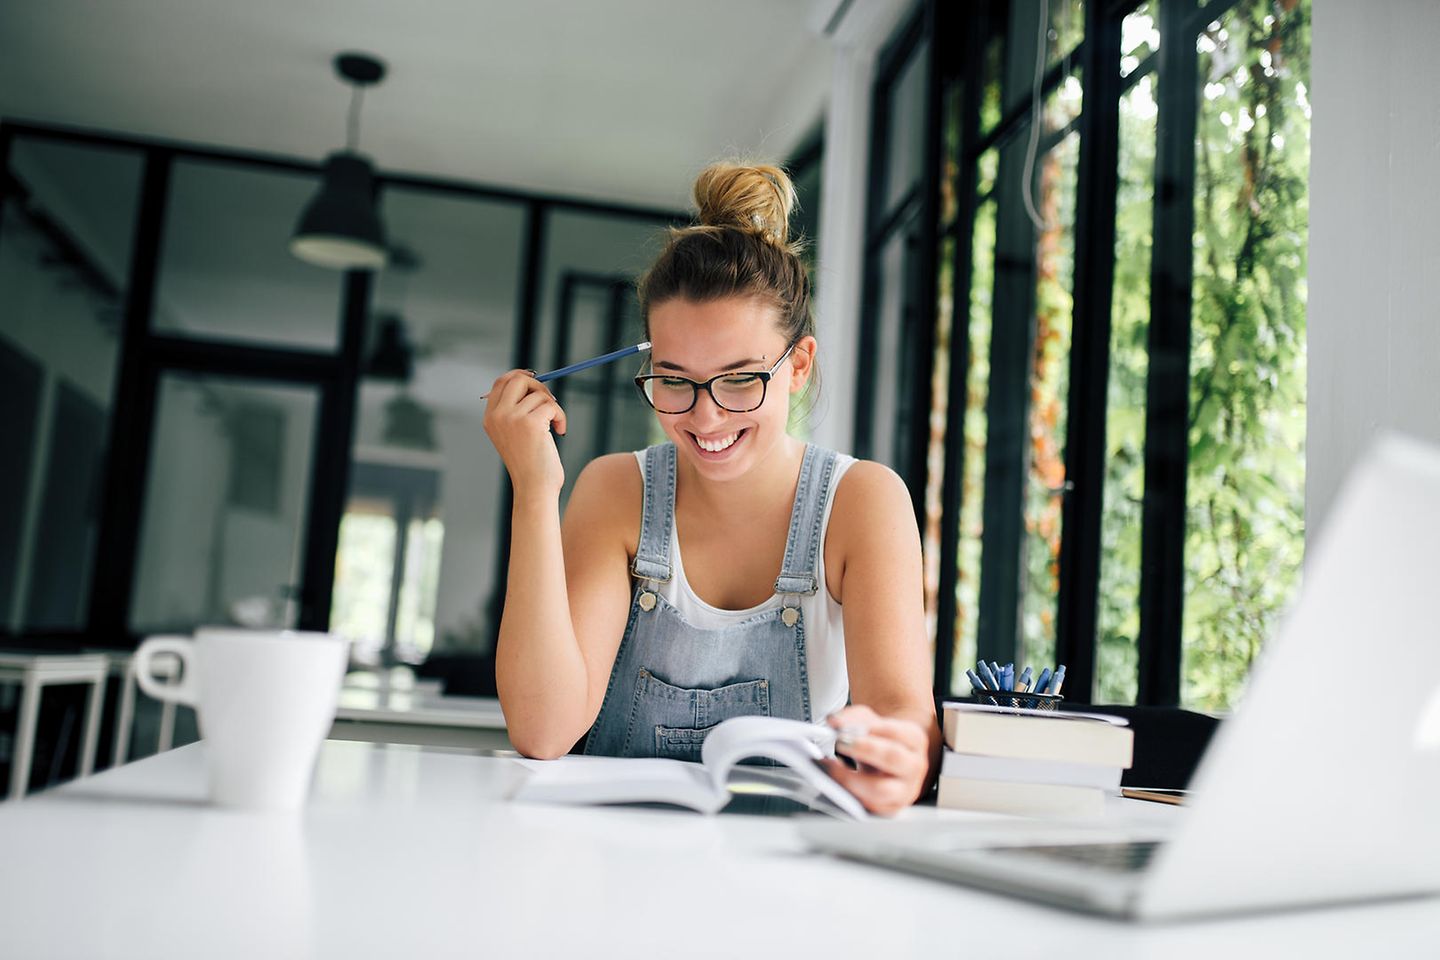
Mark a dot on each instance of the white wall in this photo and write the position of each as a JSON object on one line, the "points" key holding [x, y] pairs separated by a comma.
{"points": [[859, 35], [1374, 318]]}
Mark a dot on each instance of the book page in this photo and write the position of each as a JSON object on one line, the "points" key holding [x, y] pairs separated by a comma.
{"points": [[587, 780], [796, 745]]}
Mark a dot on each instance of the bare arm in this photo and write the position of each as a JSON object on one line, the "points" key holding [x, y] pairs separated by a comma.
{"points": [[882, 595], [567, 587]]}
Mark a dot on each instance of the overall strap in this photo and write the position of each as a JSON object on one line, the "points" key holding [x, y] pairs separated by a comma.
{"points": [[812, 493], [652, 554]]}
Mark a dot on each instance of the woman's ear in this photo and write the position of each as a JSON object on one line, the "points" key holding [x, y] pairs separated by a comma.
{"points": [[802, 363]]}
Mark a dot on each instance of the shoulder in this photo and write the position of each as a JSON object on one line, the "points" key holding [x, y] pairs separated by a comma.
{"points": [[872, 538], [607, 497], [867, 483], [871, 502], [609, 480]]}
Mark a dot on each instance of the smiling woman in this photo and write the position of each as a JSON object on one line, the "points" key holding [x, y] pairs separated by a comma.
{"points": [[610, 636]]}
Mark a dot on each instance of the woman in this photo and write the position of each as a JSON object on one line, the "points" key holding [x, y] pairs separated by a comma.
{"points": [[799, 589]]}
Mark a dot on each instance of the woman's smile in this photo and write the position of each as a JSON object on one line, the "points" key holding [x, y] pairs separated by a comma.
{"points": [[717, 446]]}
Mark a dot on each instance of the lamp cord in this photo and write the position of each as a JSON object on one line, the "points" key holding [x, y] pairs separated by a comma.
{"points": [[1036, 115], [352, 125]]}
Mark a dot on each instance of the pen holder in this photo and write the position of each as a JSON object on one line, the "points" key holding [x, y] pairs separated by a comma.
{"points": [[1022, 701]]}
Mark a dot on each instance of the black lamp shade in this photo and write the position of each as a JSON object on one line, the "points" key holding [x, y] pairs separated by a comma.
{"points": [[408, 424], [393, 358], [340, 228]]}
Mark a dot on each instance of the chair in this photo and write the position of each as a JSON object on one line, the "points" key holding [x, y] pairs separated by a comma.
{"points": [[1169, 742], [34, 671]]}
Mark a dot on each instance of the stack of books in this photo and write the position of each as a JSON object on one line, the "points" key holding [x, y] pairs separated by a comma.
{"points": [[1031, 762]]}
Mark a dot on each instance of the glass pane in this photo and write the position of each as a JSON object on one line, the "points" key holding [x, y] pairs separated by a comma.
{"points": [[938, 415], [1246, 482], [1118, 610], [423, 470], [594, 246], [1049, 377], [64, 266], [977, 379], [364, 574], [805, 223], [991, 74], [603, 409], [226, 271], [225, 504], [905, 149], [1140, 38], [1067, 29], [893, 361], [594, 253]]}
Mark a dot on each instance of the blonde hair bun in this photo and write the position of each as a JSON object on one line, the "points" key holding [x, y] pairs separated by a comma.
{"points": [[757, 198]]}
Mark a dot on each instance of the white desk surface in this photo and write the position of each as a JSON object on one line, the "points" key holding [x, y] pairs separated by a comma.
{"points": [[406, 852]]}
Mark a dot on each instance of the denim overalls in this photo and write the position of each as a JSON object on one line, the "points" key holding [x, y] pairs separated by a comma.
{"points": [[672, 681]]}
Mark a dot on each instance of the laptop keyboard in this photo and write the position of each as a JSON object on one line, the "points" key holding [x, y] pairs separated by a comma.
{"points": [[1128, 857]]}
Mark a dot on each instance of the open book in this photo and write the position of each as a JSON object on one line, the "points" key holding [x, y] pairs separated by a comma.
{"points": [[707, 786]]}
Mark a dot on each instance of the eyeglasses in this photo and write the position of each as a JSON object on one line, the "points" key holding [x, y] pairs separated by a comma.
{"points": [[736, 392]]}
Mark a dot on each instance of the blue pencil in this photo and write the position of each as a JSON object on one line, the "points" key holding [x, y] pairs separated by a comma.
{"points": [[620, 354]]}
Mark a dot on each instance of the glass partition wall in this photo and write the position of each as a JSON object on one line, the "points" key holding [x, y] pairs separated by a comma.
{"points": [[66, 226], [206, 430]]}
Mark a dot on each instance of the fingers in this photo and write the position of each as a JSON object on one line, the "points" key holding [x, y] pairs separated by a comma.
{"points": [[542, 403], [878, 793], [518, 392], [892, 756], [520, 413], [510, 387]]}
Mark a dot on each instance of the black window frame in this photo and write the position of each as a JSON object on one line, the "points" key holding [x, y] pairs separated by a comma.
{"points": [[959, 36]]}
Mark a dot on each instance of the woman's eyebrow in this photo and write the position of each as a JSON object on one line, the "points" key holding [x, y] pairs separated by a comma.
{"points": [[667, 365]]}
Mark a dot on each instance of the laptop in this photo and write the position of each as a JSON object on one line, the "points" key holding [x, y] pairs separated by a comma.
{"points": [[1322, 788]]}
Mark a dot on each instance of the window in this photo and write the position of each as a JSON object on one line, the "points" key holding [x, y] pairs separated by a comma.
{"points": [[1117, 389]]}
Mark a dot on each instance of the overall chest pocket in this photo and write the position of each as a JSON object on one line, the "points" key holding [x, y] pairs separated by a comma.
{"points": [[671, 721]]}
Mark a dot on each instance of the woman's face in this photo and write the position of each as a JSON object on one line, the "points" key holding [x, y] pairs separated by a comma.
{"points": [[700, 340]]}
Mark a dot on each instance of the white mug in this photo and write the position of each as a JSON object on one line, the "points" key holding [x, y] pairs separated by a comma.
{"points": [[265, 701]]}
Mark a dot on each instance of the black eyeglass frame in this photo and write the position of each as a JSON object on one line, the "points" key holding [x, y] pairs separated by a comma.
{"points": [[764, 375]]}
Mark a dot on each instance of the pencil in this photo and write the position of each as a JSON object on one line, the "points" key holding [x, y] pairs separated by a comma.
{"points": [[610, 357]]}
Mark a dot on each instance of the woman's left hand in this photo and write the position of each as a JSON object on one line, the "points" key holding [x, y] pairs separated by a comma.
{"points": [[892, 757]]}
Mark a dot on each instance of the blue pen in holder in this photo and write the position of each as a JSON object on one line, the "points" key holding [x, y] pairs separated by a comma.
{"points": [[1015, 700]]}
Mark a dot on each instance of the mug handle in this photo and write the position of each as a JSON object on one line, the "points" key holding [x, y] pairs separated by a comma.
{"points": [[186, 690]]}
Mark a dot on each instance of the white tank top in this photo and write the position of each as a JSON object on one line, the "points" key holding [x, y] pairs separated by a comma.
{"points": [[824, 619]]}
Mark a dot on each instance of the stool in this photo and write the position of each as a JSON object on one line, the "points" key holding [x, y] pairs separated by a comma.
{"points": [[34, 672]]}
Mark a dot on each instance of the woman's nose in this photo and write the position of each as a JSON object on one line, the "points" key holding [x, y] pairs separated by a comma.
{"points": [[706, 408]]}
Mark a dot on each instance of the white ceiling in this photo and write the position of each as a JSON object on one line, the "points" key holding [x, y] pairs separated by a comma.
{"points": [[620, 100]]}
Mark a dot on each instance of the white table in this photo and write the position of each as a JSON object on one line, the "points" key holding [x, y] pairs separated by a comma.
{"points": [[34, 672], [410, 852]]}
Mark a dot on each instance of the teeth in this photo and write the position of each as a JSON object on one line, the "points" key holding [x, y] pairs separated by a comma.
{"points": [[715, 446]]}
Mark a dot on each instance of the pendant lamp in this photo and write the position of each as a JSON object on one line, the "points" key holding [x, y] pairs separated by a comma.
{"points": [[340, 227], [393, 355]]}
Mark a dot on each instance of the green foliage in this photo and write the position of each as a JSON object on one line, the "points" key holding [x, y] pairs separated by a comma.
{"points": [[1245, 488], [1245, 532], [1245, 498]]}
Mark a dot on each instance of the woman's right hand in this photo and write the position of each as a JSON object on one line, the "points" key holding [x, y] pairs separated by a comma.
{"points": [[519, 416]]}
